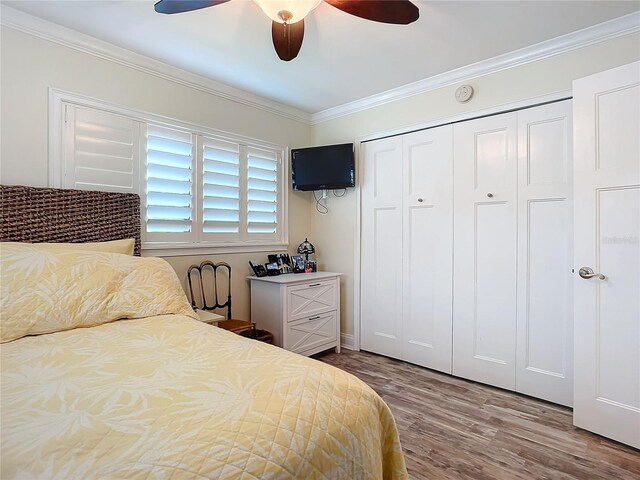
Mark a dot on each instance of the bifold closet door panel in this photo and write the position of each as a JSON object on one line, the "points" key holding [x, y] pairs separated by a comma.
{"points": [[427, 250], [381, 246], [544, 366], [484, 305]]}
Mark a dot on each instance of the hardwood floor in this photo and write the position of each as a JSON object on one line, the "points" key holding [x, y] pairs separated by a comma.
{"points": [[451, 428]]}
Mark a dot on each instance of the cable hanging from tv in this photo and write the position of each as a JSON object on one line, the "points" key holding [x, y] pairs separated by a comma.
{"points": [[322, 207]]}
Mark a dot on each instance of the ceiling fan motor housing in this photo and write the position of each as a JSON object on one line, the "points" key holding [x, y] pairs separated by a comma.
{"points": [[285, 15]]}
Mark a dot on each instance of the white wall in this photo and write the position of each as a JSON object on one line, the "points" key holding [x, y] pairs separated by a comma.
{"points": [[30, 65], [334, 233]]}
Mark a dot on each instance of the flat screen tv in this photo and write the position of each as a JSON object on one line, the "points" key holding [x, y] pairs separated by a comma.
{"points": [[323, 168]]}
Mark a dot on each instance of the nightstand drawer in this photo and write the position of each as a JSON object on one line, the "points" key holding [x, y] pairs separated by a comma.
{"points": [[312, 332], [311, 299]]}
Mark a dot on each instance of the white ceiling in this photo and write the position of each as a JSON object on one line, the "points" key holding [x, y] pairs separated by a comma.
{"points": [[343, 58]]}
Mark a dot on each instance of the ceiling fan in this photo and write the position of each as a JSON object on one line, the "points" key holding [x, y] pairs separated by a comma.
{"points": [[287, 30]]}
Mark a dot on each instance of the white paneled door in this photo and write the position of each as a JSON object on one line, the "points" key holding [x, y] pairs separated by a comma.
{"points": [[427, 247], [544, 346], [467, 237], [381, 250], [407, 243], [484, 272], [607, 253]]}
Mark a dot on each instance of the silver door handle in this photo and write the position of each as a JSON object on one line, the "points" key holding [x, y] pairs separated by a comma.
{"points": [[587, 272]]}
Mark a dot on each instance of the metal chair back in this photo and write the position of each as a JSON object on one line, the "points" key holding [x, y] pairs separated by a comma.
{"points": [[216, 301]]}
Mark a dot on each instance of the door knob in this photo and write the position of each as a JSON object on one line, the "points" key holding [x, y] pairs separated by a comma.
{"points": [[587, 272], [490, 195]]}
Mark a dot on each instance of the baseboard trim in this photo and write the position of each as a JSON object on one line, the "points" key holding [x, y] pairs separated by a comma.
{"points": [[347, 341]]}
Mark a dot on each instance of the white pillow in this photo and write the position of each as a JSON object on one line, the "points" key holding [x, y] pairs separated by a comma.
{"points": [[46, 291], [124, 246]]}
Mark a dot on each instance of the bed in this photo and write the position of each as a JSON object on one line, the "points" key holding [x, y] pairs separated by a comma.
{"points": [[106, 372]]}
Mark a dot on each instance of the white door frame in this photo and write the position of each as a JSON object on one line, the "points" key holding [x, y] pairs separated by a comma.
{"points": [[357, 261]]}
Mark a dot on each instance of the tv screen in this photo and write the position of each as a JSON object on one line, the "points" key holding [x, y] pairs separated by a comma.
{"points": [[323, 168]]}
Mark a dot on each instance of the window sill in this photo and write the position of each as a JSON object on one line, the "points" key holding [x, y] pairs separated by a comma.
{"points": [[179, 250]]}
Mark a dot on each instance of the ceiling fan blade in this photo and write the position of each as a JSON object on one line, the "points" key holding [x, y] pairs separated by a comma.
{"points": [[179, 6], [400, 12], [287, 39]]}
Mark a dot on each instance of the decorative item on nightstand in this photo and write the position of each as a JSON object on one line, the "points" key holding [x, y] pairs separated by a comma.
{"points": [[272, 269], [297, 262], [306, 248], [258, 269]]}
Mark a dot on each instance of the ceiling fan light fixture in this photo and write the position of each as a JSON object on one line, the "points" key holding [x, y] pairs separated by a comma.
{"points": [[287, 16], [287, 11]]}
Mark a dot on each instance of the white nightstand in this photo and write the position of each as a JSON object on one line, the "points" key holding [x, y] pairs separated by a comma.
{"points": [[301, 310]]}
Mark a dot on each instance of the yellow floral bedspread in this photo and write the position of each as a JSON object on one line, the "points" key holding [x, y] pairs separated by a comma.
{"points": [[168, 397]]}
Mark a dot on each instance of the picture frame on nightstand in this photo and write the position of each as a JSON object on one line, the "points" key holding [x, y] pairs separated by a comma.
{"points": [[258, 269], [297, 262], [272, 269], [284, 263]]}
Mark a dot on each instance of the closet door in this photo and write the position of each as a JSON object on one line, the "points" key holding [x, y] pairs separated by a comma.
{"points": [[544, 366], [484, 308], [381, 249], [427, 248]]}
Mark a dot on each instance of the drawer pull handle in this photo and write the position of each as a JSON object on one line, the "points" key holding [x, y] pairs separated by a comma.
{"points": [[314, 318], [314, 285]]}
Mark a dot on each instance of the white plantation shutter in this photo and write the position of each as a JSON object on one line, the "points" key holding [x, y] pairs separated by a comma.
{"points": [[198, 188], [169, 185], [240, 192], [221, 189], [262, 193], [102, 151]]}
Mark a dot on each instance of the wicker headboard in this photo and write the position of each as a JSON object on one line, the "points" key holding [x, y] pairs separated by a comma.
{"points": [[36, 215]]}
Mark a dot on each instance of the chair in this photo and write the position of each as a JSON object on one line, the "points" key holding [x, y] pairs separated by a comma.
{"points": [[233, 325]]}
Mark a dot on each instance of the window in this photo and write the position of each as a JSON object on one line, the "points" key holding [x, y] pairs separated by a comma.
{"points": [[199, 189], [262, 191], [168, 182], [211, 190], [221, 195]]}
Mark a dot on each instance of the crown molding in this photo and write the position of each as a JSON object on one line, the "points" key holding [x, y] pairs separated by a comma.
{"points": [[23, 22], [29, 24], [591, 35]]}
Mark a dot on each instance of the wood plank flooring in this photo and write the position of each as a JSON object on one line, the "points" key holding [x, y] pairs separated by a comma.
{"points": [[451, 428]]}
